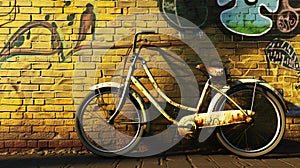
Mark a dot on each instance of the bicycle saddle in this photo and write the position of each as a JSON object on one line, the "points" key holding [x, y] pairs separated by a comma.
{"points": [[212, 71]]}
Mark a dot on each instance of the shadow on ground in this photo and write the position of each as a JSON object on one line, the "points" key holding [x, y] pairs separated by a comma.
{"points": [[285, 149]]}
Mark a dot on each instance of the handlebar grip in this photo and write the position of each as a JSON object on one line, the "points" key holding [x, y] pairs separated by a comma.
{"points": [[137, 34], [145, 32]]}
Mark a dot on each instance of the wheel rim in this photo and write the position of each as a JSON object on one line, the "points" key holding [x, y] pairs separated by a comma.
{"points": [[259, 134], [104, 137]]}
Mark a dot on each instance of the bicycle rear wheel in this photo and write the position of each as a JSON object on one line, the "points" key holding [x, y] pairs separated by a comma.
{"points": [[265, 131], [102, 138]]}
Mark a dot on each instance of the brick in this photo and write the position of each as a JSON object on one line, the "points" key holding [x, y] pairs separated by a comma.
{"points": [[39, 101], [4, 129], [125, 4], [30, 73], [63, 87], [63, 101], [42, 144], [41, 17], [24, 3], [65, 143], [43, 115], [8, 108], [33, 122], [11, 73], [51, 108], [7, 87], [105, 4], [30, 10], [51, 73], [17, 115], [71, 10], [42, 129], [60, 94], [18, 129], [42, 94], [9, 144], [115, 10], [4, 114], [297, 120], [69, 108], [53, 144], [29, 87], [41, 65], [16, 65], [147, 4], [63, 66], [51, 10], [42, 3], [64, 128], [81, 3], [54, 122], [42, 80], [31, 144], [41, 45], [65, 115], [20, 143], [107, 17], [295, 127], [4, 30], [28, 101], [11, 101], [11, 122], [85, 66]]}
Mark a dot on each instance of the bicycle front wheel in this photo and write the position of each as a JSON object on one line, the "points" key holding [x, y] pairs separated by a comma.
{"points": [[266, 129], [101, 137]]}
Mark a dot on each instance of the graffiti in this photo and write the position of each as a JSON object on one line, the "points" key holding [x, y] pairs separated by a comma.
{"points": [[13, 46], [10, 16], [195, 11], [245, 17], [288, 17], [87, 23], [283, 53]]}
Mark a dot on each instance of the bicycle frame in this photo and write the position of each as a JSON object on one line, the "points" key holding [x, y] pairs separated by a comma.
{"points": [[130, 78], [173, 103]]}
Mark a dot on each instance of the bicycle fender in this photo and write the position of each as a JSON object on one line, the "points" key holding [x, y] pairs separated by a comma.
{"points": [[215, 99], [268, 86], [106, 84], [138, 99], [249, 81]]}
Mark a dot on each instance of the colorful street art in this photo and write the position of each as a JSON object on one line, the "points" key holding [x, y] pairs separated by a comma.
{"points": [[195, 11], [245, 16], [283, 53], [288, 17]]}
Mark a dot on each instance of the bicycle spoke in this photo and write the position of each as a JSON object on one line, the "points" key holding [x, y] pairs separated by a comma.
{"points": [[263, 133], [102, 137]]}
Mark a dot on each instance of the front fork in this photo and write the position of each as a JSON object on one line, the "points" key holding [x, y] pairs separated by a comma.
{"points": [[124, 90]]}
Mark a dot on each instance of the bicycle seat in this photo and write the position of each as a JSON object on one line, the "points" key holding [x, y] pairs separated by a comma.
{"points": [[211, 70]]}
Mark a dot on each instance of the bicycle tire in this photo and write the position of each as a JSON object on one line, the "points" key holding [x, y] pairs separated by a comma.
{"points": [[101, 138], [266, 130]]}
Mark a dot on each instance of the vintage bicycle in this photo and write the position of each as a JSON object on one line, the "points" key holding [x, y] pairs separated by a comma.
{"points": [[249, 116]]}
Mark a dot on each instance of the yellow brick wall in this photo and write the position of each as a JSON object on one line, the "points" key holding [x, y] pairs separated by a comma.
{"points": [[43, 78]]}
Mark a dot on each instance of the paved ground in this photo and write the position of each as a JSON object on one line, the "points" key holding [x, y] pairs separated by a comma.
{"points": [[287, 154]]}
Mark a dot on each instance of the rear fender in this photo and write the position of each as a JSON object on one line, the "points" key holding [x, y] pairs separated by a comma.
{"points": [[268, 86], [249, 81]]}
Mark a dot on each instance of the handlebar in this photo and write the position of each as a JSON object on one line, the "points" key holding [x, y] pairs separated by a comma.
{"points": [[139, 33]]}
